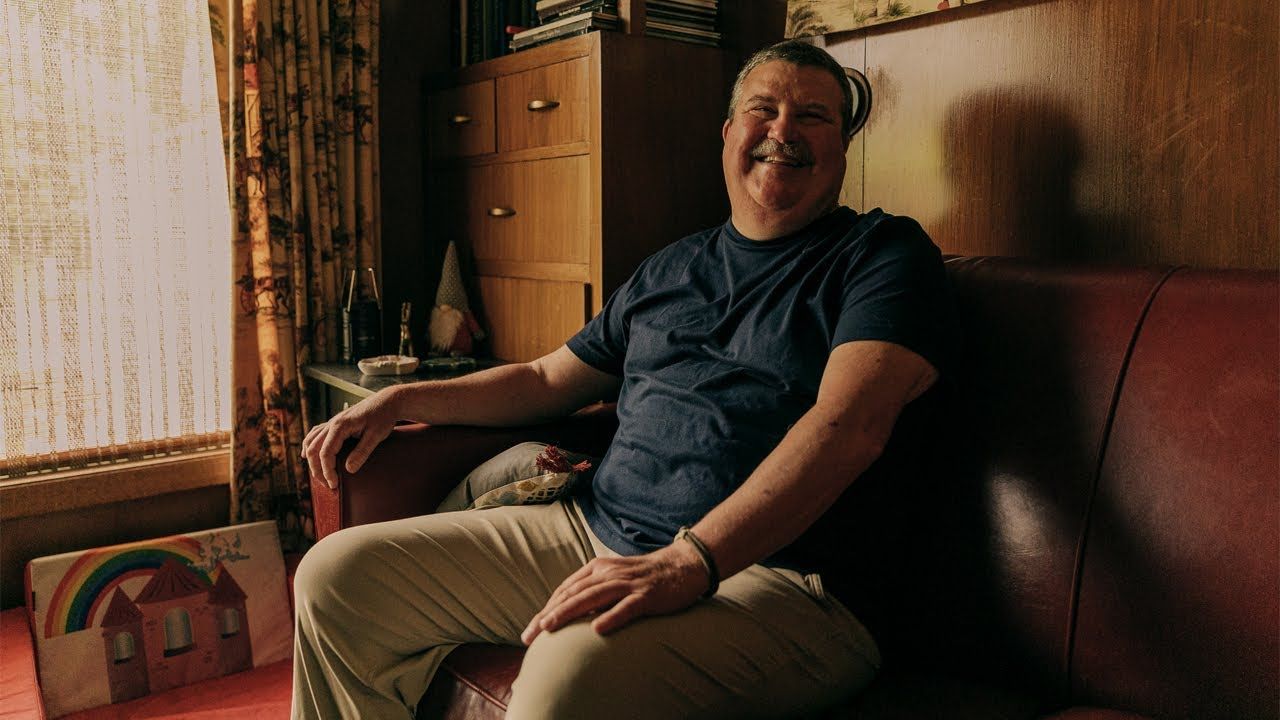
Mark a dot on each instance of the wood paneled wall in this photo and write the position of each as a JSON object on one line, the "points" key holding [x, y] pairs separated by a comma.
{"points": [[1095, 130]]}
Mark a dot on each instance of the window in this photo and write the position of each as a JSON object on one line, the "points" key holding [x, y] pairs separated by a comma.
{"points": [[230, 618], [124, 647], [177, 632], [115, 249]]}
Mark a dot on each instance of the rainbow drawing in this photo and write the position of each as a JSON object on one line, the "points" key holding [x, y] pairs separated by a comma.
{"points": [[90, 581]]}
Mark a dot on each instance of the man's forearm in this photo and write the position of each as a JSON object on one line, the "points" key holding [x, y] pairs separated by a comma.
{"points": [[791, 488], [864, 388], [507, 395]]}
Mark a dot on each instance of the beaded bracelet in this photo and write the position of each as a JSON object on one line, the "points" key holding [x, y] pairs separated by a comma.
{"points": [[685, 533]]}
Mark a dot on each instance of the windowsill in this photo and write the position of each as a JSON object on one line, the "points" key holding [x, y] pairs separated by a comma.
{"points": [[120, 483]]}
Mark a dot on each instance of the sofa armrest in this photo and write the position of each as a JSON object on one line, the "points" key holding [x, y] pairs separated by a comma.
{"points": [[416, 467]]}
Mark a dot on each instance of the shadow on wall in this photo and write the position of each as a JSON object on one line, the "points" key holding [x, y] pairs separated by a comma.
{"points": [[1013, 160]]}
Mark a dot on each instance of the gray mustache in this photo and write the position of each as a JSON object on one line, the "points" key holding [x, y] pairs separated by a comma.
{"points": [[793, 151]]}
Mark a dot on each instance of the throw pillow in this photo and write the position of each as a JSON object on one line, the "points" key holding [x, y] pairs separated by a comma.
{"points": [[526, 474]]}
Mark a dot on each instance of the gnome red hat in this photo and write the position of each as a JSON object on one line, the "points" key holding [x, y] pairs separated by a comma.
{"points": [[453, 328]]}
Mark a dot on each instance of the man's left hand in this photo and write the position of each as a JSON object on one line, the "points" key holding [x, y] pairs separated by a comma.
{"points": [[621, 589]]}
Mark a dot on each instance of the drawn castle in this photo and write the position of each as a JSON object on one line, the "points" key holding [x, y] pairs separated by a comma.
{"points": [[178, 630]]}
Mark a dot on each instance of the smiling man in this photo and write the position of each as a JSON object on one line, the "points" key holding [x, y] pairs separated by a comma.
{"points": [[784, 146], [760, 367]]}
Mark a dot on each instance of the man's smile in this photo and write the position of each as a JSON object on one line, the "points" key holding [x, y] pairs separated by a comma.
{"points": [[772, 152], [787, 162]]}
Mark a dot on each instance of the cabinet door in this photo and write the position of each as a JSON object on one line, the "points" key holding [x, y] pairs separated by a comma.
{"points": [[530, 318], [536, 211], [460, 121], [545, 106]]}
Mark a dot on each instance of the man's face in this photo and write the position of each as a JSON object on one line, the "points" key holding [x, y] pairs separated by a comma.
{"points": [[784, 148]]}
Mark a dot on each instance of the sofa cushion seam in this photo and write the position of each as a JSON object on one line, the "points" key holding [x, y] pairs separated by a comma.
{"points": [[1108, 424]]}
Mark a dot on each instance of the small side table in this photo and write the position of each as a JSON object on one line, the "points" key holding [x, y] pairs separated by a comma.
{"points": [[338, 386]]}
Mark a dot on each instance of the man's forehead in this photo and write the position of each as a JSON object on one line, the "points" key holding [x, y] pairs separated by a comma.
{"points": [[778, 80], [810, 102]]}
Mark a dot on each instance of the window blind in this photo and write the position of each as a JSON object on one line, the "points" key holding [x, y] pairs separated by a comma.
{"points": [[115, 234]]}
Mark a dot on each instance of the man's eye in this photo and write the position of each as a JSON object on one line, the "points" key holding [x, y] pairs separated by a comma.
{"points": [[762, 110]]}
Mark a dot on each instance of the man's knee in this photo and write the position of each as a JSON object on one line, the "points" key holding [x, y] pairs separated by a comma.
{"points": [[562, 673], [339, 555], [576, 673]]}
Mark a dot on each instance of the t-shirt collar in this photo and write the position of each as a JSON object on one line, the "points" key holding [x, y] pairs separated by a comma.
{"points": [[808, 231]]}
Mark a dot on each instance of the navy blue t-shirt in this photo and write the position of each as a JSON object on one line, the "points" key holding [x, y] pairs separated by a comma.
{"points": [[721, 343]]}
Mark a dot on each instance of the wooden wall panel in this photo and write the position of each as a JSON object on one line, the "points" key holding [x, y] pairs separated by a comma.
{"points": [[853, 54], [1080, 129]]}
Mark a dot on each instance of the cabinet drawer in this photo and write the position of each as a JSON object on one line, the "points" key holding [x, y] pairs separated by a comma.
{"points": [[460, 121], [549, 105], [536, 211], [530, 318]]}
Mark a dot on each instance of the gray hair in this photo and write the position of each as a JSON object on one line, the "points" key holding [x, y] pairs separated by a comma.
{"points": [[801, 54]]}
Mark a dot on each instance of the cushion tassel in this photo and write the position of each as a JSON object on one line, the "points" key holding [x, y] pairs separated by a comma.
{"points": [[552, 459]]}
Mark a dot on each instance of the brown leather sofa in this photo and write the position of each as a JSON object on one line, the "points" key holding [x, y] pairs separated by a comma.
{"points": [[1099, 537]]}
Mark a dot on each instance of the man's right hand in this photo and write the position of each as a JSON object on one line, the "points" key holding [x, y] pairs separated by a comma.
{"points": [[370, 420]]}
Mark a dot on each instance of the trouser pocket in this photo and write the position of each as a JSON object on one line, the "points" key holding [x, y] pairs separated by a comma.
{"points": [[842, 619]]}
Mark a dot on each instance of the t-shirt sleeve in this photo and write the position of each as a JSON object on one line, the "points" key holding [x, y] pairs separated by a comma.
{"points": [[898, 293], [602, 342]]}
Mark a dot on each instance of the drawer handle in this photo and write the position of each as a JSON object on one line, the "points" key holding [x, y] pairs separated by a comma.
{"points": [[536, 105], [457, 120], [501, 212]]}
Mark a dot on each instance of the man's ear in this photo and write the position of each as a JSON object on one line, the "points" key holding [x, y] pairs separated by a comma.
{"points": [[724, 130]]}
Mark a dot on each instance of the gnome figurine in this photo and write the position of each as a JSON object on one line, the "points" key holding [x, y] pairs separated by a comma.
{"points": [[453, 328]]}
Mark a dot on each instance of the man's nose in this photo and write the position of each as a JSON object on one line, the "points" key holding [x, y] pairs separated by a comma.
{"points": [[783, 127]]}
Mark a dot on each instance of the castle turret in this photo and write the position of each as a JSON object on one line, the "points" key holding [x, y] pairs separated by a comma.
{"points": [[126, 653], [228, 601]]}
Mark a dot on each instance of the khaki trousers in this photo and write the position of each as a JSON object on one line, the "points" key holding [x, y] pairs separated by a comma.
{"points": [[380, 606]]}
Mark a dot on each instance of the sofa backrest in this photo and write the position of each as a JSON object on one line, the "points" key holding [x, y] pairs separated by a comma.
{"points": [[1107, 533], [1179, 594], [1044, 349], [965, 562]]}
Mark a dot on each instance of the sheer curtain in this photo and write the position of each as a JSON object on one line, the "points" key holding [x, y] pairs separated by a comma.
{"points": [[115, 252]]}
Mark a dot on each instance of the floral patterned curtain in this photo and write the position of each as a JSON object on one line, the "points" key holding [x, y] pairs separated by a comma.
{"points": [[298, 88]]}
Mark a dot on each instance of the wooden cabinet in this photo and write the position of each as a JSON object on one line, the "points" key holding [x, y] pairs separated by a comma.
{"points": [[560, 168], [461, 121], [548, 105], [532, 317], [531, 211]]}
